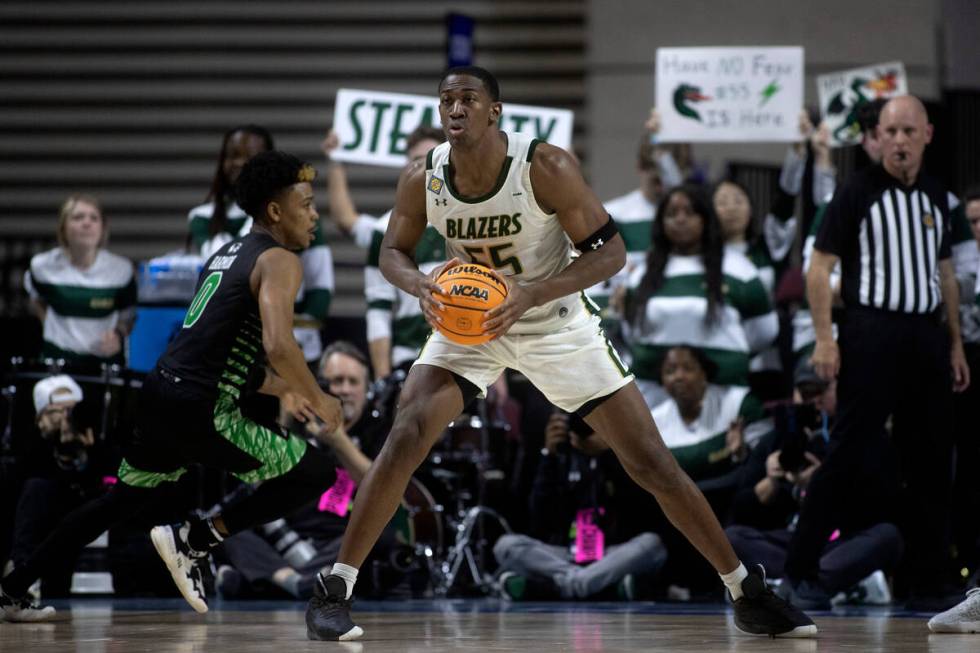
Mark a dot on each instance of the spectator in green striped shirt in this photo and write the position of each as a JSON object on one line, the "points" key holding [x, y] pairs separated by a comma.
{"points": [[706, 426], [690, 291], [768, 241], [83, 294], [220, 220]]}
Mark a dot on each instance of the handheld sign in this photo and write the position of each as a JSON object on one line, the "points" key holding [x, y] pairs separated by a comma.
{"points": [[729, 94], [373, 126], [842, 94]]}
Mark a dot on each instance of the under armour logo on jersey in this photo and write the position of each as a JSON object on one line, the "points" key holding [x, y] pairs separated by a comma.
{"points": [[597, 244], [442, 201]]}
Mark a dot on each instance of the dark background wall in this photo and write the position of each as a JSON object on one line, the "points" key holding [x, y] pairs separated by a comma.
{"points": [[129, 99]]}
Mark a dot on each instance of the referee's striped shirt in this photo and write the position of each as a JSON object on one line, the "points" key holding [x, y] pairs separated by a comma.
{"points": [[890, 239]]}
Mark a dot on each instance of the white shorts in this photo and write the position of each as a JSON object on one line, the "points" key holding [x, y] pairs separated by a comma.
{"points": [[571, 366]]}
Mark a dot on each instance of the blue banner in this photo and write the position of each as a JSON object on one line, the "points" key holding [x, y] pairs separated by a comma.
{"points": [[459, 40]]}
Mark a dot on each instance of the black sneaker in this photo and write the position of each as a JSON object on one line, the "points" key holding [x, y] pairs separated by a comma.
{"points": [[760, 612], [22, 610], [183, 562], [328, 613]]}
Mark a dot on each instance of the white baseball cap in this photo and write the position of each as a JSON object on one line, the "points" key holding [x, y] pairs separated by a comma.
{"points": [[45, 389]]}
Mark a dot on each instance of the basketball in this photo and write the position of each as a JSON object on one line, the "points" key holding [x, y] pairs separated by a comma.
{"points": [[471, 290]]}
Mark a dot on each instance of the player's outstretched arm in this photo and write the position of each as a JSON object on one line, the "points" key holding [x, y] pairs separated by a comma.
{"points": [[275, 282], [405, 229], [559, 187]]}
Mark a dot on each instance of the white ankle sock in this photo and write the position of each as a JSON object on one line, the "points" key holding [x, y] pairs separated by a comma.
{"points": [[733, 581], [348, 573]]}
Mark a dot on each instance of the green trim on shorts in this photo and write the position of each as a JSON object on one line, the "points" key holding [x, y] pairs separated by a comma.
{"points": [[277, 454], [432, 332], [613, 354], [139, 478]]}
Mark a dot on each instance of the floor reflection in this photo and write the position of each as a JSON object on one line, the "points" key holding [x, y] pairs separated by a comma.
{"points": [[438, 626]]}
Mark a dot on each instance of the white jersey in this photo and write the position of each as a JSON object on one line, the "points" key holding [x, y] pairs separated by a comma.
{"points": [[505, 229], [82, 304]]}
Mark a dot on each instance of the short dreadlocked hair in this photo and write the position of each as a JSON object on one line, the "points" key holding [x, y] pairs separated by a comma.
{"points": [[265, 176]]}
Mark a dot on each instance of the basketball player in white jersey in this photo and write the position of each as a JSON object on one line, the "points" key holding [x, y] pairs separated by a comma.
{"points": [[518, 205]]}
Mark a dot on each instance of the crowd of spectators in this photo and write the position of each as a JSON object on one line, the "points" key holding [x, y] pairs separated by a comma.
{"points": [[723, 366]]}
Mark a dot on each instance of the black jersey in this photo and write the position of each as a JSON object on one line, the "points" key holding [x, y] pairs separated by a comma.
{"points": [[220, 344]]}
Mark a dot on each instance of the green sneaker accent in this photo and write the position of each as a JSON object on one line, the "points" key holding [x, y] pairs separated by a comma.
{"points": [[513, 585]]}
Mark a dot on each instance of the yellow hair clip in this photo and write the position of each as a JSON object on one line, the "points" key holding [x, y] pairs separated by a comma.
{"points": [[306, 173]]}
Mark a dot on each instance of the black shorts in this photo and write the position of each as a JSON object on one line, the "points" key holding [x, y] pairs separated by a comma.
{"points": [[177, 426]]}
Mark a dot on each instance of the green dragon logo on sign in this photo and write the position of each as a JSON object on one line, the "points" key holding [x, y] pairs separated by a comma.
{"points": [[684, 94]]}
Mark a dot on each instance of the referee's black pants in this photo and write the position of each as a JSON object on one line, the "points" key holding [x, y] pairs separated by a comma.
{"points": [[894, 365]]}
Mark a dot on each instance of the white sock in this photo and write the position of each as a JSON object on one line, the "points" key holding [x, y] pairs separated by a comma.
{"points": [[349, 574], [733, 580]]}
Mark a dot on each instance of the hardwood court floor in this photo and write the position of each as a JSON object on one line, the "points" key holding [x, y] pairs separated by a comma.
{"points": [[435, 626]]}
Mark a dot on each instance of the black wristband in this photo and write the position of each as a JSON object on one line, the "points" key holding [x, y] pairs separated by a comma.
{"points": [[600, 237]]}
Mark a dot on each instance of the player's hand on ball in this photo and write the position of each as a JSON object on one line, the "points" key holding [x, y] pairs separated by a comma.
{"points": [[498, 320], [429, 292], [297, 406]]}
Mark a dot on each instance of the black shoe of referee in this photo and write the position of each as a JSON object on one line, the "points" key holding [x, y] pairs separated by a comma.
{"points": [[328, 613], [760, 612]]}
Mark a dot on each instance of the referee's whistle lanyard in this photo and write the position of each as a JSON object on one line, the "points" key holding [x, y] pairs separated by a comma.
{"points": [[824, 426]]}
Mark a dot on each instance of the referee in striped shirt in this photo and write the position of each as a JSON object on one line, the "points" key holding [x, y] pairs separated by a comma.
{"points": [[889, 226]]}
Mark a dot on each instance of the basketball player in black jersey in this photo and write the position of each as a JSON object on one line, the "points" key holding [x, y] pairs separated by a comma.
{"points": [[236, 339]]}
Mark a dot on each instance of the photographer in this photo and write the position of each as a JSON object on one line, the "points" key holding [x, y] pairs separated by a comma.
{"points": [[64, 470], [577, 483], [774, 485], [287, 553]]}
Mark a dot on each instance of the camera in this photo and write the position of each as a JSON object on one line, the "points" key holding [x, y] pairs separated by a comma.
{"points": [[65, 429], [794, 423]]}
